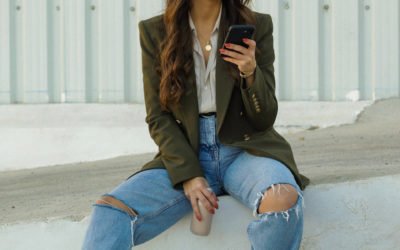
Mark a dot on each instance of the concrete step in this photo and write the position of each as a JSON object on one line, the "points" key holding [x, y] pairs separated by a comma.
{"points": [[359, 214]]}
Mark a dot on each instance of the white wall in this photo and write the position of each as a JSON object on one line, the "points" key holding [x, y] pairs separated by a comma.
{"points": [[88, 51]]}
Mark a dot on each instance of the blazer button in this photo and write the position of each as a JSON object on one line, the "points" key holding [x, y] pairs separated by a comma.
{"points": [[241, 113], [178, 121], [246, 137]]}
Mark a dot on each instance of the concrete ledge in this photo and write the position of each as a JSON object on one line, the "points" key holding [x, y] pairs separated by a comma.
{"points": [[351, 215]]}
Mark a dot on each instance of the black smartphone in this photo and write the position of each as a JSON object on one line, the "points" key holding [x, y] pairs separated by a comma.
{"points": [[237, 32]]}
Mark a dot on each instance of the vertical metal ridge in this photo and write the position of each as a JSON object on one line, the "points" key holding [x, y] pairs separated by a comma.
{"points": [[365, 50], [89, 89], [361, 48], [51, 82], [14, 81], [294, 78], [127, 53], [12, 58], [279, 31], [5, 60], [321, 54], [285, 50], [331, 88], [398, 46], [373, 54]]}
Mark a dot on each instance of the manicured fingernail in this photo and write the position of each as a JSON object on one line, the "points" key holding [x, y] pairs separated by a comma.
{"points": [[245, 39], [228, 45]]}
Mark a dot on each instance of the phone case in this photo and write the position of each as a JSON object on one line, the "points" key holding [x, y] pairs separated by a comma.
{"points": [[236, 33]]}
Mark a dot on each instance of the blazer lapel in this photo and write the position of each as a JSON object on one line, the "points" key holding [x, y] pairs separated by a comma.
{"points": [[224, 84], [190, 108]]}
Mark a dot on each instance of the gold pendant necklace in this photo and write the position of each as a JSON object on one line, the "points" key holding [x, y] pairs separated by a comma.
{"points": [[208, 46]]}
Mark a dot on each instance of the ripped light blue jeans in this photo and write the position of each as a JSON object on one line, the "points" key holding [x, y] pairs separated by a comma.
{"points": [[228, 170]]}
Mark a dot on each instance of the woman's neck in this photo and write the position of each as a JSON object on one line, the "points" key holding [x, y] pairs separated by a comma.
{"points": [[205, 11]]}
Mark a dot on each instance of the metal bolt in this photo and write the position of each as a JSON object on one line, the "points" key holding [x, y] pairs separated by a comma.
{"points": [[367, 7], [287, 6], [326, 7], [132, 8], [93, 7], [18, 7]]}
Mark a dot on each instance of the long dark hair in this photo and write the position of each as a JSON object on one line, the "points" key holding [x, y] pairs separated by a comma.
{"points": [[176, 59]]}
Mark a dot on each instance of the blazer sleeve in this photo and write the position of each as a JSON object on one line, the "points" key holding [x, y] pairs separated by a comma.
{"points": [[177, 155], [259, 99]]}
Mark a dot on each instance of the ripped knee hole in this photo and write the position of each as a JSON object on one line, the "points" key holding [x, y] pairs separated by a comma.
{"points": [[277, 201], [116, 203]]}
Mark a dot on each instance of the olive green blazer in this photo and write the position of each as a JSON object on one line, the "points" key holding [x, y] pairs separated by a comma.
{"points": [[245, 115]]}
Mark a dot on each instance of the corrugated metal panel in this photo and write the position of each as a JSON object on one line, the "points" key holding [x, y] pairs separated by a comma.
{"points": [[88, 51], [4, 52]]}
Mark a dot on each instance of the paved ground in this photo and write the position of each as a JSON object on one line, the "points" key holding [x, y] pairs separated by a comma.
{"points": [[368, 148]]}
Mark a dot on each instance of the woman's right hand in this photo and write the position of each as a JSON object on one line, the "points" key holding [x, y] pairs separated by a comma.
{"points": [[196, 189]]}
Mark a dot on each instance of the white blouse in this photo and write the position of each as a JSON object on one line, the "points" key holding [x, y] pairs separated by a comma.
{"points": [[205, 76]]}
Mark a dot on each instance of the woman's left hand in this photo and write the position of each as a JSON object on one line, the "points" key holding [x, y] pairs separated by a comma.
{"points": [[243, 57]]}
